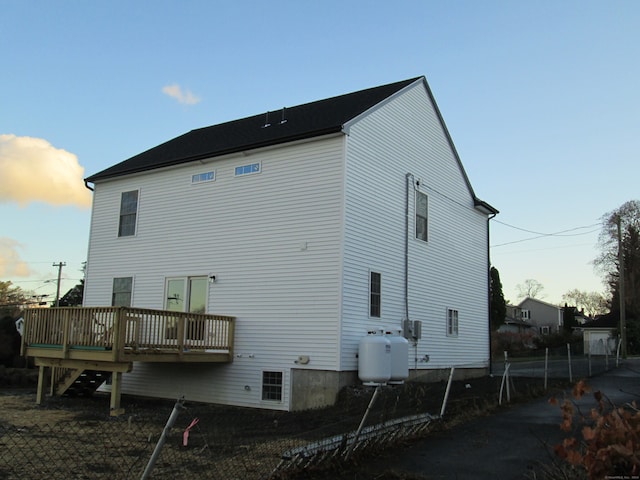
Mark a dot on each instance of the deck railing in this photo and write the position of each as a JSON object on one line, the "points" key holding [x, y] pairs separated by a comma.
{"points": [[126, 332]]}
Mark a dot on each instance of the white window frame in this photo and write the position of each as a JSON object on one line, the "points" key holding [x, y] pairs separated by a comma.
{"points": [[121, 215], [425, 237], [186, 290], [453, 322], [203, 177], [372, 293], [263, 385], [252, 169], [130, 292]]}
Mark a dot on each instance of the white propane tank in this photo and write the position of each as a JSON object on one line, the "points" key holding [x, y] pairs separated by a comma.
{"points": [[374, 358], [399, 357]]}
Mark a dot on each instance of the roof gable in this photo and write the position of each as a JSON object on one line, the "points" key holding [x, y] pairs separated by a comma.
{"points": [[271, 128]]}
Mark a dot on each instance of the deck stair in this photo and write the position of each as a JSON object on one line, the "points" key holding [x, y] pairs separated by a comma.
{"points": [[80, 383]]}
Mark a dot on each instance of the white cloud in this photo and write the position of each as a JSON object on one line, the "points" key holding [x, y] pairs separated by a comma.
{"points": [[10, 263], [33, 170], [186, 97]]}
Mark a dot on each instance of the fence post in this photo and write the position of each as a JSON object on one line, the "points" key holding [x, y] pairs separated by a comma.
{"points": [[546, 366], [589, 358], [364, 418], [569, 361], [446, 392], [156, 452], [606, 358], [505, 379]]}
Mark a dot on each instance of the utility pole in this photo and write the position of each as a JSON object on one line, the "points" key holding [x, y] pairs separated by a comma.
{"points": [[59, 265], [623, 319]]}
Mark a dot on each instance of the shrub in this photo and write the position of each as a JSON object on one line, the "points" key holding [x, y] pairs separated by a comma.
{"points": [[603, 443], [516, 344]]}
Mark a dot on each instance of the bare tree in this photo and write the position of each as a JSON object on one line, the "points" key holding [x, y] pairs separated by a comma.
{"points": [[593, 303], [530, 288]]}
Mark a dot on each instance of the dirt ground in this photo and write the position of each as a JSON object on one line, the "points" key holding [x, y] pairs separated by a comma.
{"points": [[234, 428]]}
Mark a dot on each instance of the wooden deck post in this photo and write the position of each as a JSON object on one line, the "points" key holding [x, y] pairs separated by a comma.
{"points": [[40, 391], [116, 388]]}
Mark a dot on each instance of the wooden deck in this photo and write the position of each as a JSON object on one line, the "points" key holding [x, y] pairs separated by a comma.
{"points": [[110, 339]]}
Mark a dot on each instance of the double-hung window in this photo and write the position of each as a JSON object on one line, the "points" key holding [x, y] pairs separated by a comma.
{"points": [[121, 293], [422, 205], [452, 322], [128, 213], [272, 386]]}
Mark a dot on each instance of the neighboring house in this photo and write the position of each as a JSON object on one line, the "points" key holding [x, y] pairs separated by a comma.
{"points": [[311, 226], [547, 318], [515, 323], [600, 336]]}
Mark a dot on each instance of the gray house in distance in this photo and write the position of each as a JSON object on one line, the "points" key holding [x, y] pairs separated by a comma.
{"points": [[547, 318], [310, 226]]}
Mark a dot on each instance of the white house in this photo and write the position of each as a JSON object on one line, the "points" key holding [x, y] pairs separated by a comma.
{"points": [[311, 225]]}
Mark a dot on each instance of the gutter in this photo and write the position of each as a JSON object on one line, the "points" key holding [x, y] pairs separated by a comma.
{"points": [[489, 218]]}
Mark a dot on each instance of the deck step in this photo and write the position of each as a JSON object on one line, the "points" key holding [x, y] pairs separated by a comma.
{"points": [[81, 383]]}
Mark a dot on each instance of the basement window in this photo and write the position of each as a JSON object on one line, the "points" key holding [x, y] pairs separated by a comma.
{"points": [[272, 386], [247, 169]]}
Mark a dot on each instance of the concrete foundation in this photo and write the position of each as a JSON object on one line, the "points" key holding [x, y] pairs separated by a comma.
{"points": [[320, 388]]}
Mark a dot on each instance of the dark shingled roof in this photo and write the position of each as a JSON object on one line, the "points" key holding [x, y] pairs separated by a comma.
{"points": [[303, 121]]}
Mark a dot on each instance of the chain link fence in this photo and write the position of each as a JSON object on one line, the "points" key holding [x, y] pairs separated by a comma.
{"points": [[223, 442], [568, 362]]}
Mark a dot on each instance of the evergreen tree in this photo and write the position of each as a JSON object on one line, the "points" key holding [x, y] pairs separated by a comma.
{"points": [[498, 305]]}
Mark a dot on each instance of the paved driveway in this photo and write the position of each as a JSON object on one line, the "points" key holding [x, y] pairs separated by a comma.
{"points": [[510, 444]]}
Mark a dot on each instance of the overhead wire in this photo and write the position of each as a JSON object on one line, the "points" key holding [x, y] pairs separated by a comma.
{"points": [[561, 233]]}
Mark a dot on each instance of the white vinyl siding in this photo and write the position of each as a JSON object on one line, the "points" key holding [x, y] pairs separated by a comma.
{"points": [[273, 241], [405, 136], [292, 249]]}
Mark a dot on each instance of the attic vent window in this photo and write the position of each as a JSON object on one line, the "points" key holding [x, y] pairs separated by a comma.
{"points": [[248, 169], [203, 177]]}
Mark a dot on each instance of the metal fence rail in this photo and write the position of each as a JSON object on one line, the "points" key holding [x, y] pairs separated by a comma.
{"points": [[559, 364]]}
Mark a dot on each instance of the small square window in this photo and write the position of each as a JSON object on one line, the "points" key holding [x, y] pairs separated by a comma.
{"points": [[272, 386], [452, 322]]}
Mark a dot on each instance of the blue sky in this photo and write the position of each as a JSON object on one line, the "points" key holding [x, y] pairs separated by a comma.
{"points": [[541, 99]]}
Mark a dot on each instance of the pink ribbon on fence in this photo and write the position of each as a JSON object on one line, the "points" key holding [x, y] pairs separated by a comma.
{"points": [[185, 435]]}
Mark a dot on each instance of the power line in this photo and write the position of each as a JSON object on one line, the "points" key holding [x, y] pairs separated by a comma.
{"points": [[561, 233]]}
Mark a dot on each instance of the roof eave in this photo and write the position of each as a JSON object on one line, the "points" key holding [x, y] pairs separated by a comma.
{"points": [[484, 207], [230, 151]]}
